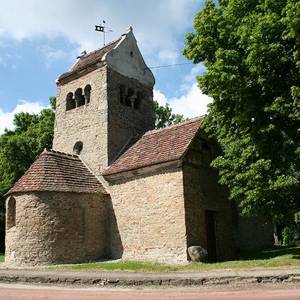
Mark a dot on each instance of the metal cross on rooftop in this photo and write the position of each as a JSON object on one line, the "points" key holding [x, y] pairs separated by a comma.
{"points": [[104, 29]]}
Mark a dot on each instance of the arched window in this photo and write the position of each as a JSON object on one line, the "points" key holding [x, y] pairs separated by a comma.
{"points": [[70, 101], [11, 213], [138, 100], [77, 148], [129, 98], [79, 98], [87, 93]]}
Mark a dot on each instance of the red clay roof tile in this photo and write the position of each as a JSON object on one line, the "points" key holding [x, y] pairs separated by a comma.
{"points": [[90, 59], [94, 57], [157, 146], [58, 172]]}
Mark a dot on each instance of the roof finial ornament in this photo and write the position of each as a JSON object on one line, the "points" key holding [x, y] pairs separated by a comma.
{"points": [[104, 29]]}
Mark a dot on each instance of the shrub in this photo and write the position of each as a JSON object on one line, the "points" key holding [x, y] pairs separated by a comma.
{"points": [[289, 235]]}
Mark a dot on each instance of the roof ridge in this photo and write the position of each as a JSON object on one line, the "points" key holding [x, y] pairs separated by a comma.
{"points": [[192, 120], [107, 45], [157, 146], [60, 154], [98, 178]]}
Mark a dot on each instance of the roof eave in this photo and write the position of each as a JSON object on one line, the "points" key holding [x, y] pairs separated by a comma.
{"points": [[9, 193], [69, 76], [143, 170]]}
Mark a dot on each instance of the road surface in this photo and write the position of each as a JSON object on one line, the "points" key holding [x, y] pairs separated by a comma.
{"points": [[24, 292]]}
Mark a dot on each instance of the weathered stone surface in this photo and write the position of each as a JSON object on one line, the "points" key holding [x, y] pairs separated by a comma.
{"points": [[54, 228], [203, 193], [197, 253], [125, 122], [86, 123], [150, 214], [254, 233]]}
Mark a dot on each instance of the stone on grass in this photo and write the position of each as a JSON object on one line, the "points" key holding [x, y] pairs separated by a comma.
{"points": [[197, 253]]}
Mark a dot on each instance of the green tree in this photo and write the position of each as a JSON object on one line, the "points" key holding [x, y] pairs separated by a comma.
{"points": [[252, 53], [164, 116], [20, 147]]}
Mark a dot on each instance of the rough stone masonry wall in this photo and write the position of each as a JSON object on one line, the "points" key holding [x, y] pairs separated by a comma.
{"points": [[86, 123], [56, 228], [149, 210], [254, 233], [202, 192], [124, 122]]}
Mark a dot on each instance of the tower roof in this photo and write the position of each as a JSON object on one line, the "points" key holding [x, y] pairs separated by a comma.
{"points": [[94, 56], [157, 146], [58, 172], [123, 55], [90, 59]]}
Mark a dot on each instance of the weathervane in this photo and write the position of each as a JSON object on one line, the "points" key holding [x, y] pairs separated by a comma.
{"points": [[104, 29]]}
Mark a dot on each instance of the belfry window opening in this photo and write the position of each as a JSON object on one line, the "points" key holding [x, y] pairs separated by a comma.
{"points": [[79, 98], [130, 97]]}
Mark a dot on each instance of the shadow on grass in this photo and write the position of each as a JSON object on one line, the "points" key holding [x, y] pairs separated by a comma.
{"points": [[276, 251]]}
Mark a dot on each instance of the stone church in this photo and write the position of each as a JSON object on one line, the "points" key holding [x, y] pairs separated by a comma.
{"points": [[113, 187]]}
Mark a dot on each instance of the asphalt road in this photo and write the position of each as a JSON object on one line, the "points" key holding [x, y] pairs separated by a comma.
{"points": [[18, 292]]}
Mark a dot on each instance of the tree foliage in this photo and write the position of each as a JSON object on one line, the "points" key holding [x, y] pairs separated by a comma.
{"points": [[164, 116], [20, 147], [252, 53]]}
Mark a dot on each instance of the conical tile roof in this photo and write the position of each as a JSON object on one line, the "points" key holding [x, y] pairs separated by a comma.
{"points": [[58, 172]]}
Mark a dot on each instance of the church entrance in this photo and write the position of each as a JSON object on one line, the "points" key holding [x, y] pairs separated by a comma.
{"points": [[210, 228]]}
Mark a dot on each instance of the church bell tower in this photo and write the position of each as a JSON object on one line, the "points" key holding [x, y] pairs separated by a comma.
{"points": [[103, 102]]}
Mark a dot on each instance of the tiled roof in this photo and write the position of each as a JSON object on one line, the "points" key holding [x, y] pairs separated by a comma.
{"points": [[93, 57], [90, 59], [157, 146], [59, 172]]}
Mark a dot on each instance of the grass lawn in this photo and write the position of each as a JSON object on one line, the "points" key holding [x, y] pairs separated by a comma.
{"points": [[276, 257], [1, 257]]}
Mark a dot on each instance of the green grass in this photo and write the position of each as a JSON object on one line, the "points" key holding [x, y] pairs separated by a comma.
{"points": [[276, 257], [1, 257]]}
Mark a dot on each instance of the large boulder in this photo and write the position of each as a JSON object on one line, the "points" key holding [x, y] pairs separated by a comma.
{"points": [[197, 253]]}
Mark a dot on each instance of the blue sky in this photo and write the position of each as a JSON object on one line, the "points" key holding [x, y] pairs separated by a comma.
{"points": [[40, 39]]}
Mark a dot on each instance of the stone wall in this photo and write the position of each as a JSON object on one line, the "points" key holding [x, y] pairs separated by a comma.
{"points": [[149, 210], [86, 123], [202, 193], [124, 122], [104, 125], [127, 59], [53, 228], [254, 233]]}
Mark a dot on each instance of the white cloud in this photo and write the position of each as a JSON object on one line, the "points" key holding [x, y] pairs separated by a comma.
{"points": [[157, 24], [53, 54], [159, 97], [191, 104], [6, 118]]}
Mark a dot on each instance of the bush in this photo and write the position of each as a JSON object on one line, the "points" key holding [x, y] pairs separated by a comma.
{"points": [[289, 235]]}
